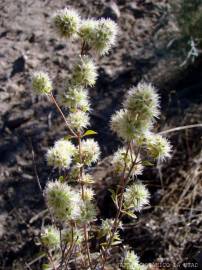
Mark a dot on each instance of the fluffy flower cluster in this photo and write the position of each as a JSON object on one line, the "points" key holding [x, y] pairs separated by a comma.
{"points": [[62, 201], [60, 155], [67, 22], [90, 151], [41, 83], [136, 197], [78, 120], [50, 237], [120, 161], [88, 212], [84, 72], [143, 102], [99, 35], [140, 109], [87, 194], [131, 262], [75, 98], [158, 147]]}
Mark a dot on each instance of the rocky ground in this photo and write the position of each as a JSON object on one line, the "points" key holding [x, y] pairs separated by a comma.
{"points": [[169, 230]]}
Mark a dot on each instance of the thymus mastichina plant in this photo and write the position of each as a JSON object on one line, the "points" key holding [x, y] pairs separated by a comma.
{"points": [[70, 198]]}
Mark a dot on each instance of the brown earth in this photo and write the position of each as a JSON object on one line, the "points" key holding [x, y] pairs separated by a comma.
{"points": [[168, 231]]}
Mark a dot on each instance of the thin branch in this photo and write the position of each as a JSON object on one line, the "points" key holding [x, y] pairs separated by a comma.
{"points": [[180, 128], [63, 116], [35, 169]]}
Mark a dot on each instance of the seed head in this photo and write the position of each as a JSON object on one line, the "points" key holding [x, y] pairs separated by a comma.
{"points": [[136, 197], [60, 155], [84, 72], [158, 147], [62, 201], [121, 161], [66, 22], [41, 83], [50, 237]]}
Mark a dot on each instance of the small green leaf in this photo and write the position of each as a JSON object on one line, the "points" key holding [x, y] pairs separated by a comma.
{"points": [[130, 214], [147, 163], [113, 196], [68, 137], [46, 267], [89, 132], [61, 178]]}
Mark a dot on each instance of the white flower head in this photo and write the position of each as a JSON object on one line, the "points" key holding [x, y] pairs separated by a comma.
{"points": [[142, 102], [158, 146], [131, 261], [105, 35], [136, 197], [50, 237], [41, 83], [66, 22], [99, 35], [75, 98], [84, 72], [88, 212], [60, 155], [78, 120], [87, 31], [88, 194], [127, 127], [62, 201], [121, 161], [90, 151]]}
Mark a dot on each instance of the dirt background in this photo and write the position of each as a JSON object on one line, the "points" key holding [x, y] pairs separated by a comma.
{"points": [[170, 230]]}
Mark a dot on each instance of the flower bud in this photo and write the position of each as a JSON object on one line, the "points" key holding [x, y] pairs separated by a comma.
{"points": [[62, 201], [50, 237], [41, 83], [84, 72], [60, 155], [78, 120], [66, 22], [136, 197], [157, 146]]}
